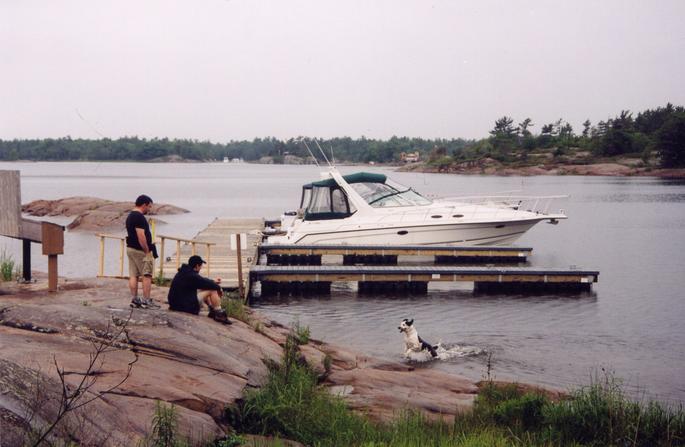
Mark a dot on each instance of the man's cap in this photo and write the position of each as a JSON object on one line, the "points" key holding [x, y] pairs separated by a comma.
{"points": [[195, 260]]}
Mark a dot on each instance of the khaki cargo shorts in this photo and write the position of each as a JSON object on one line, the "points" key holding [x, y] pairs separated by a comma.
{"points": [[139, 264]]}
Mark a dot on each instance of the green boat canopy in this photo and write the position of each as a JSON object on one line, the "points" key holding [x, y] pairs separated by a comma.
{"points": [[325, 199], [357, 177]]}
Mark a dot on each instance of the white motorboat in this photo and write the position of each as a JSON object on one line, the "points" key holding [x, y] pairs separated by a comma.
{"points": [[371, 209]]}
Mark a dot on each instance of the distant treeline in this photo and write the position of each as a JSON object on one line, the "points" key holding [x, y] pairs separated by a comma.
{"points": [[140, 149], [660, 131]]}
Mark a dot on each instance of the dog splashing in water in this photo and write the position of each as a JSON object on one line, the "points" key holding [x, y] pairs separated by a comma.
{"points": [[412, 342]]}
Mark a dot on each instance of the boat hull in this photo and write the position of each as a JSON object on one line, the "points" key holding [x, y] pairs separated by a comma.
{"points": [[463, 234]]}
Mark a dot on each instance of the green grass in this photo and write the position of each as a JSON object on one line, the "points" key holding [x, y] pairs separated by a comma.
{"points": [[301, 333], [601, 414], [293, 405], [7, 266], [161, 281], [164, 428], [235, 308]]}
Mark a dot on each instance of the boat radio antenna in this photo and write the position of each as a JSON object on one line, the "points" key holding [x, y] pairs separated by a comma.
{"points": [[323, 153], [311, 153]]}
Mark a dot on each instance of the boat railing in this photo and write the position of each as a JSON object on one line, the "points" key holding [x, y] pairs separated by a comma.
{"points": [[532, 204], [501, 204]]}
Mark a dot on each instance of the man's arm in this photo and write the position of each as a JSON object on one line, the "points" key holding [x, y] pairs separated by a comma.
{"points": [[202, 283], [141, 240]]}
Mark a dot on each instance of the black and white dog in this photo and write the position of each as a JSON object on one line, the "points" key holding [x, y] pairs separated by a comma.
{"points": [[412, 341]]}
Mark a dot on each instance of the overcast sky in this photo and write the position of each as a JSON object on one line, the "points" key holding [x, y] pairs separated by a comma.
{"points": [[239, 69]]}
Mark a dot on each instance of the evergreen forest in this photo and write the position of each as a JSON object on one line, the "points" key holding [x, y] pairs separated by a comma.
{"points": [[656, 132]]}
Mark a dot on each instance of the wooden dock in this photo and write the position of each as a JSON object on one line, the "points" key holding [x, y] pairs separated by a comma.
{"points": [[302, 279], [222, 261], [297, 269]]}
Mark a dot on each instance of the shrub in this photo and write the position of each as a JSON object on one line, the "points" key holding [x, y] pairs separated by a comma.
{"points": [[442, 162], [164, 426], [236, 308], [300, 333], [602, 415], [523, 412], [292, 405], [7, 266], [160, 280]]}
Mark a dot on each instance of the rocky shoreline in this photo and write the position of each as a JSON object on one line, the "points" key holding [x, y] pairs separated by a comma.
{"points": [[190, 361], [489, 166], [92, 213]]}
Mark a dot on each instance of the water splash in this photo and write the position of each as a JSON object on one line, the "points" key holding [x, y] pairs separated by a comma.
{"points": [[445, 352]]}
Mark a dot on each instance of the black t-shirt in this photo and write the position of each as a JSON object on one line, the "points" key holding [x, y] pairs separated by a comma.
{"points": [[136, 219]]}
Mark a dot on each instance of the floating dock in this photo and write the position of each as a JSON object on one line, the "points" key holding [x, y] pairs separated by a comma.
{"points": [[387, 255], [415, 279]]}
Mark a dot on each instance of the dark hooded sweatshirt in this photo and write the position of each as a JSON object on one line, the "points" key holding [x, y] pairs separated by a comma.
{"points": [[183, 290]]}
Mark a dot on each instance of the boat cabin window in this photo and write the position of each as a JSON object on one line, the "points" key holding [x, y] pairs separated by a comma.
{"points": [[339, 201], [388, 194], [306, 196], [327, 203]]}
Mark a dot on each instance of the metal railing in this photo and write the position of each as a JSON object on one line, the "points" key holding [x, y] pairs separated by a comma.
{"points": [[490, 207]]}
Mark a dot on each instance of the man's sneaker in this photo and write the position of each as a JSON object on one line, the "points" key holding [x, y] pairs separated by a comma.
{"points": [[150, 303], [138, 302], [219, 315]]}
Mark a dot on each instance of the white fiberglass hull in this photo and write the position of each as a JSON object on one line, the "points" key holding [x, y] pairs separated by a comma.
{"points": [[465, 234]]}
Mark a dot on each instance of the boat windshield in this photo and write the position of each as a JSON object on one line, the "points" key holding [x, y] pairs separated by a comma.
{"points": [[387, 194]]}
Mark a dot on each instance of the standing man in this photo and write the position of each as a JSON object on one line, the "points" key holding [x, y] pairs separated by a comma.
{"points": [[139, 251]]}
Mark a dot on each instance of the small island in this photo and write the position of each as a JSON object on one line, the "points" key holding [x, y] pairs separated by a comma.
{"points": [[92, 213]]}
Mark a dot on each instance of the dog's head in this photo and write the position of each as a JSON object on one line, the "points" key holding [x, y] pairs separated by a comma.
{"points": [[405, 325]]}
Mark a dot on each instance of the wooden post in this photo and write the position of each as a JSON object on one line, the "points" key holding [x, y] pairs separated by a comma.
{"points": [[26, 261], [178, 254], [52, 273], [192, 245], [241, 286], [121, 257], [161, 257], [209, 259], [102, 256], [52, 236]]}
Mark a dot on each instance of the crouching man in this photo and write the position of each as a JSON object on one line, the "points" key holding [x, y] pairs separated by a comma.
{"points": [[189, 290]]}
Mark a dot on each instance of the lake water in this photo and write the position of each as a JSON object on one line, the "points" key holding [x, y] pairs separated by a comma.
{"points": [[630, 229]]}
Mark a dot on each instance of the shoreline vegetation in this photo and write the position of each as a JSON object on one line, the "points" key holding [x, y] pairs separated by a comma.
{"points": [[651, 142], [257, 383]]}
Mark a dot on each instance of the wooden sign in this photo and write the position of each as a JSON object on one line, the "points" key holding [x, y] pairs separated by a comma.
{"points": [[10, 204], [53, 238]]}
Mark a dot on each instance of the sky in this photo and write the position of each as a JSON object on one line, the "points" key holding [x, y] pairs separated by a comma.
{"points": [[223, 70]]}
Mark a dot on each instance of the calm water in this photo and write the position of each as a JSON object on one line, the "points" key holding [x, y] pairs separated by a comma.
{"points": [[630, 229]]}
